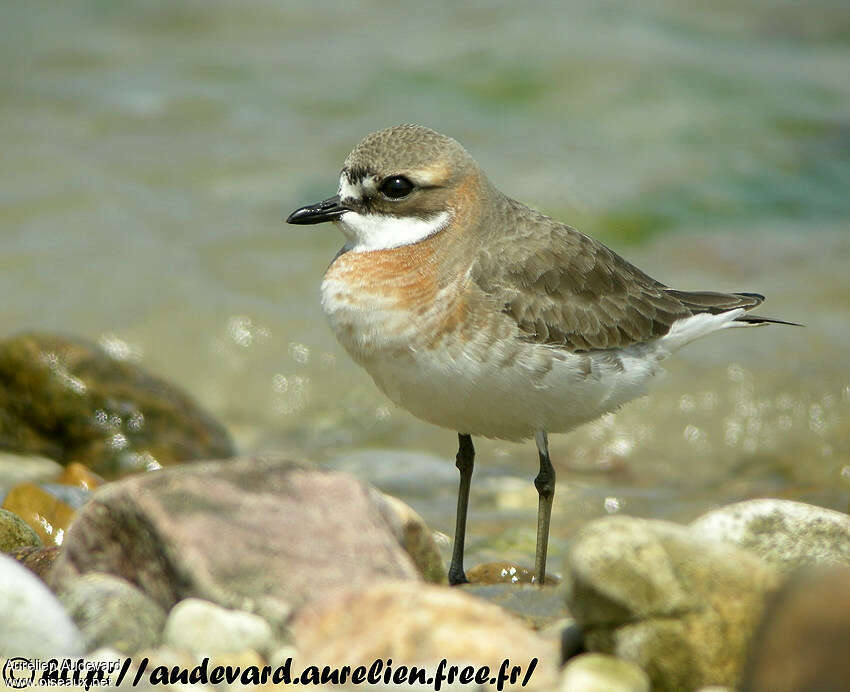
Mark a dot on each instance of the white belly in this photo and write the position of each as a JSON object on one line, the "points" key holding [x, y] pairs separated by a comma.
{"points": [[495, 386]]}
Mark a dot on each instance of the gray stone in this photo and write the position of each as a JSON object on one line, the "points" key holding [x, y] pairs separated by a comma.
{"points": [[205, 628], [680, 607], [602, 673], [71, 495], [261, 535], [112, 612], [785, 533], [34, 623], [15, 533]]}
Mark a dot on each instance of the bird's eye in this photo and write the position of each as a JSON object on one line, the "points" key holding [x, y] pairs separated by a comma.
{"points": [[396, 187]]}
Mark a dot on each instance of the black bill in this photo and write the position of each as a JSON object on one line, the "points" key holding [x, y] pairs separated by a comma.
{"points": [[319, 212]]}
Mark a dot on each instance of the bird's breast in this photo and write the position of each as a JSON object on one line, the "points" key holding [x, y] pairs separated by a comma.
{"points": [[385, 303]]}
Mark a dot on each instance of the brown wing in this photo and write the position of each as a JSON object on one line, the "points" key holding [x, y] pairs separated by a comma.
{"points": [[565, 289]]}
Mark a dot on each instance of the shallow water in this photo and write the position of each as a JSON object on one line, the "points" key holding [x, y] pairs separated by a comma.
{"points": [[152, 149]]}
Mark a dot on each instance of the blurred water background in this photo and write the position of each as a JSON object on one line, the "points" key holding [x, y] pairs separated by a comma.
{"points": [[152, 149]]}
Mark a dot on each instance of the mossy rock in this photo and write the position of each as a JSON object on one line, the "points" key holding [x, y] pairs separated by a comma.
{"points": [[69, 400]]}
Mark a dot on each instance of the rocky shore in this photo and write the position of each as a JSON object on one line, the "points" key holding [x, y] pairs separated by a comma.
{"points": [[189, 557]]}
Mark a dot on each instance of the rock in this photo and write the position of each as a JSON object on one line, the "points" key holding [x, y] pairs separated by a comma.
{"points": [[260, 535], [505, 573], [536, 606], [38, 560], [602, 673], [22, 468], [80, 476], [803, 640], [680, 607], [205, 628], [110, 611], [35, 625], [46, 514], [415, 536], [784, 533], [416, 624], [71, 401], [15, 533], [71, 495]]}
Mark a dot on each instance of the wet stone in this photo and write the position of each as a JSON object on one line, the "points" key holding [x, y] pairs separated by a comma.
{"points": [[505, 573], [37, 560], [80, 476], [47, 515], [69, 400], [15, 533]]}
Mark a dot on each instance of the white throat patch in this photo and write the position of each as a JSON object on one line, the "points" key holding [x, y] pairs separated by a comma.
{"points": [[366, 232]]}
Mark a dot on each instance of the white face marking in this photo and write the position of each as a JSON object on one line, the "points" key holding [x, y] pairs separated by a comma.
{"points": [[365, 232], [348, 191]]}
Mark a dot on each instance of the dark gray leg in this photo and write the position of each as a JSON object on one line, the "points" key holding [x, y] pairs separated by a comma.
{"points": [[464, 462], [545, 484]]}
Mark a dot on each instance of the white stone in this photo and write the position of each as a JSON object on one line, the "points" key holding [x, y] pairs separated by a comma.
{"points": [[601, 673], [206, 628], [33, 623]]}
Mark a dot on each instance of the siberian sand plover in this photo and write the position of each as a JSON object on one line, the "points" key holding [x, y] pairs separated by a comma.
{"points": [[479, 314]]}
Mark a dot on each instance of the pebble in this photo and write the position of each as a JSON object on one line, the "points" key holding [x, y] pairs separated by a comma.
{"points": [[47, 515], [506, 573], [80, 476], [206, 628], [602, 673], [112, 612], [37, 560]]}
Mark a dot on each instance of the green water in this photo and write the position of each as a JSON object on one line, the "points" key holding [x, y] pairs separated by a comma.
{"points": [[150, 151]]}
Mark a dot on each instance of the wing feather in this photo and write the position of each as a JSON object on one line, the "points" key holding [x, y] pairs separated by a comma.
{"points": [[566, 289]]}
